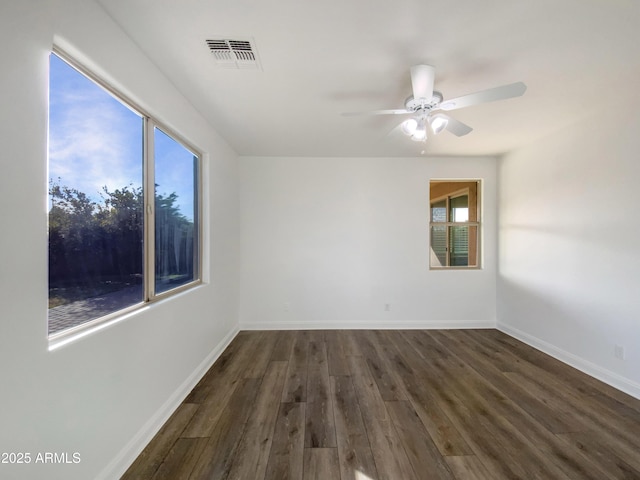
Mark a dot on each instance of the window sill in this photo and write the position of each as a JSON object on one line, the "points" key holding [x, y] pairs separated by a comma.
{"points": [[72, 334]]}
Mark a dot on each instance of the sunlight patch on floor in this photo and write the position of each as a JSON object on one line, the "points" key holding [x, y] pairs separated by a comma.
{"points": [[362, 476]]}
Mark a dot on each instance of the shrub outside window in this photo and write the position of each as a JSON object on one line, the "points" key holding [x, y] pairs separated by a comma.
{"points": [[124, 204]]}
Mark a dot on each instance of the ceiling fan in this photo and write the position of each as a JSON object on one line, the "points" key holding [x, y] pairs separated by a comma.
{"points": [[426, 104]]}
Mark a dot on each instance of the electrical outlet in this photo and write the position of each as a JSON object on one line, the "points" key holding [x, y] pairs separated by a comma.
{"points": [[387, 307], [618, 352], [287, 307]]}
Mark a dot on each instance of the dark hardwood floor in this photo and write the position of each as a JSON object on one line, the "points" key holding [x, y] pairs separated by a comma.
{"points": [[394, 405]]}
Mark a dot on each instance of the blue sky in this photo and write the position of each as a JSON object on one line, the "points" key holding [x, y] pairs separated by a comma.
{"points": [[96, 141], [174, 171]]}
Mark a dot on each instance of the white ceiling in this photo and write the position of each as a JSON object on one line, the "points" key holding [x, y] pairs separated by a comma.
{"points": [[325, 57]]}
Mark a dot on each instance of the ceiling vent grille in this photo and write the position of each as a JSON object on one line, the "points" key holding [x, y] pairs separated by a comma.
{"points": [[239, 54]]}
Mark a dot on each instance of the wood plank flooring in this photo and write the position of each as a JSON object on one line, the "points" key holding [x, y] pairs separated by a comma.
{"points": [[394, 405]]}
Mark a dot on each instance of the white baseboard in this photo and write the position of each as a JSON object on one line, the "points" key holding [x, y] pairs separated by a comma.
{"points": [[368, 325], [607, 376], [126, 456]]}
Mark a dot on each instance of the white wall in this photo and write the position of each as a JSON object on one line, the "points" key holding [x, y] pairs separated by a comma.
{"points": [[103, 395], [327, 242], [569, 270]]}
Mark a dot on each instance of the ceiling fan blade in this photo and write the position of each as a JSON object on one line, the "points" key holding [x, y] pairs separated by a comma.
{"points": [[456, 127], [422, 81], [491, 95], [400, 111]]}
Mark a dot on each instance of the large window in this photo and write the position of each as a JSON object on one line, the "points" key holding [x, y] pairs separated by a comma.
{"points": [[123, 204], [454, 224]]}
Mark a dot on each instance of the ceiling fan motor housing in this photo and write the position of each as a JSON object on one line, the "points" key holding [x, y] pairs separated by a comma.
{"points": [[422, 105]]}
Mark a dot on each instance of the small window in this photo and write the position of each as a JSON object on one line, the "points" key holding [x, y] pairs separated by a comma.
{"points": [[123, 218], [454, 224]]}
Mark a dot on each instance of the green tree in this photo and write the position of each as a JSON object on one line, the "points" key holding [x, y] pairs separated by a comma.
{"points": [[96, 246], [122, 217], [73, 233], [174, 242]]}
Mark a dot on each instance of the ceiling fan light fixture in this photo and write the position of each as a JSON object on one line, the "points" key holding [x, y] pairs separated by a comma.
{"points": [[420, 133], [409, 126], [419, 137], [438, 123]]}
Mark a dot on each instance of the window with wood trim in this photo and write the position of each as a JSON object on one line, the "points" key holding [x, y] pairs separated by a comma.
{"points": [[124, 208], [454, 224]]}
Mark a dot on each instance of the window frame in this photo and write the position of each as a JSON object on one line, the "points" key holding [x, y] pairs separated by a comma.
{"points": [[149, 124], [465, 190], [149, 195]]}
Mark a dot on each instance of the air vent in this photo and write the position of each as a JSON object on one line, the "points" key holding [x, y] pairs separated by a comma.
{"points": [[238, 54]]}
